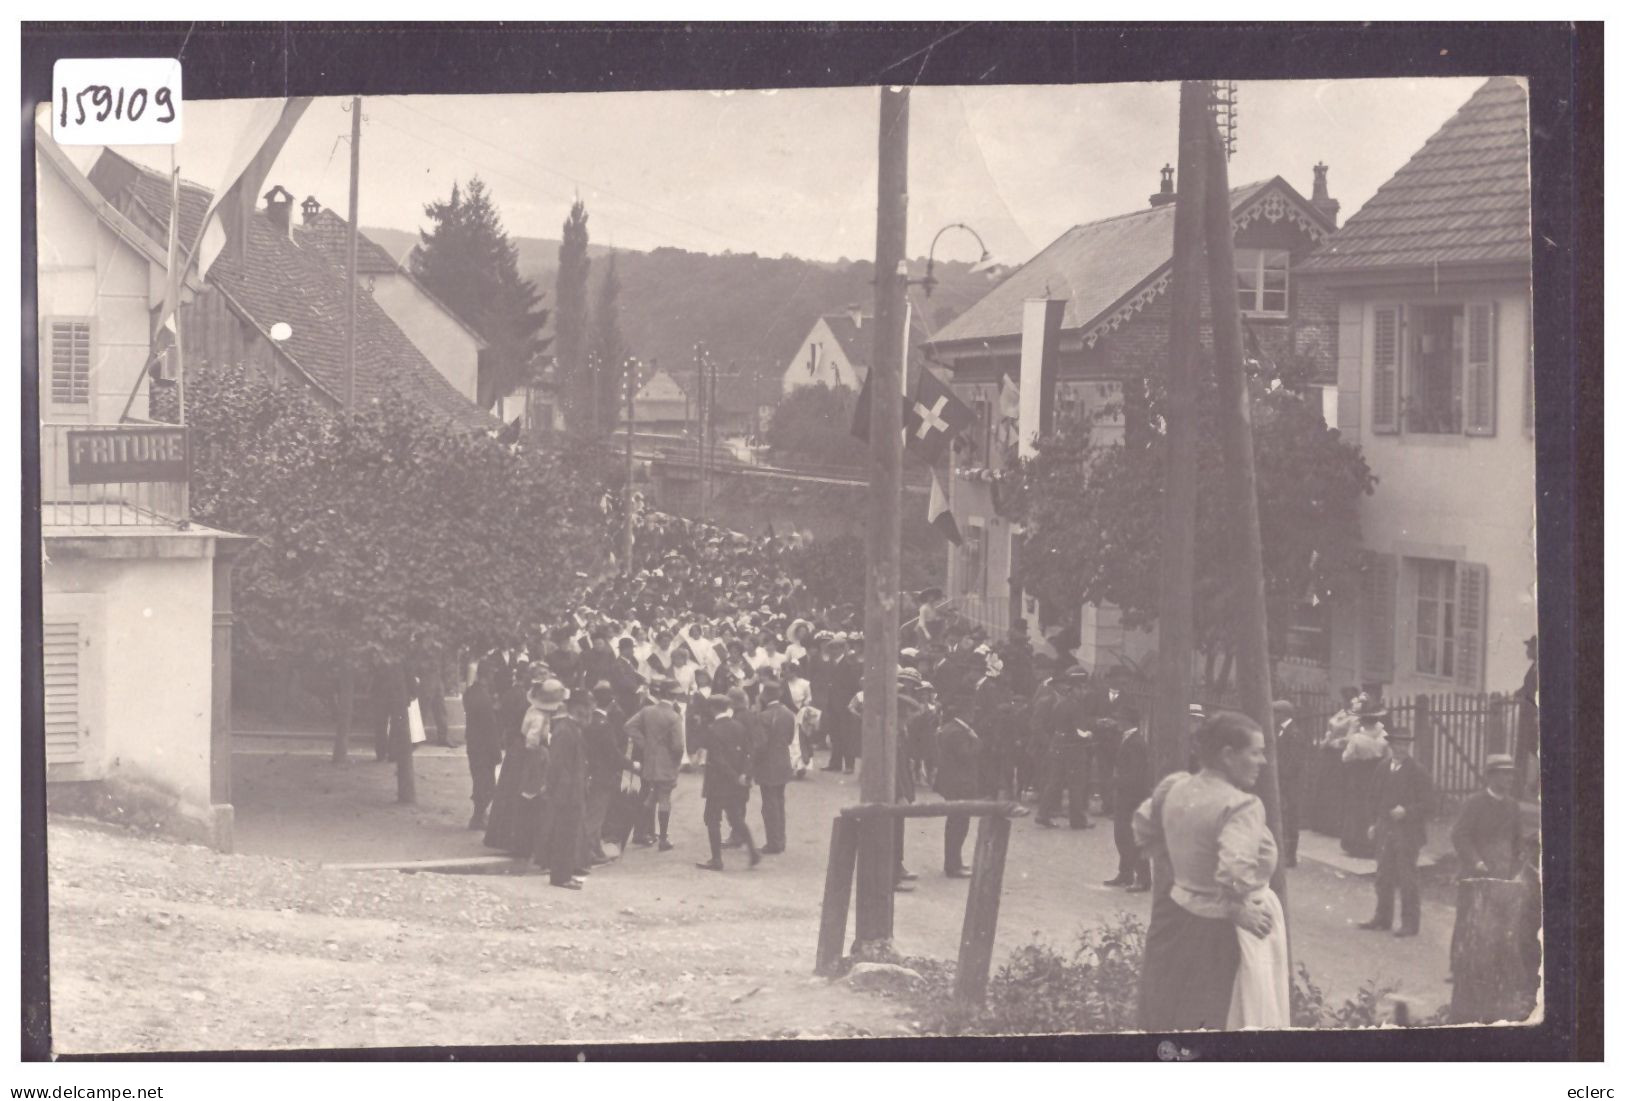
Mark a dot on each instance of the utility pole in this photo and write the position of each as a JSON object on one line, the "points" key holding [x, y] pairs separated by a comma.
{"points": [[355, 202], [404, 780], [1175, 627], [705, 423], [1240, 476], [631, 392], [877, 860]]}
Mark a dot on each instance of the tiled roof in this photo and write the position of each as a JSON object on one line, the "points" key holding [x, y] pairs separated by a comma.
{"points": [[149, 190], [331, 234], [294, 281], [1093, 266], [855, 340], [1462, 198], [284, 280]]}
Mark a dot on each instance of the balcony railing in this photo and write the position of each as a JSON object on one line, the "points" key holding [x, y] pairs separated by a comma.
{"points": [[113, 475]]}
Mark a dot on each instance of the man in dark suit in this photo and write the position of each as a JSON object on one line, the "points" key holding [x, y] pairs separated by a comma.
{"points": [[1106, 707], [776, 729], [1404, 798], [1131, 786], [959, 769], [1069, 754], [484, 744], [845, 679], [564, 793], [606, 755], [727, 781]]}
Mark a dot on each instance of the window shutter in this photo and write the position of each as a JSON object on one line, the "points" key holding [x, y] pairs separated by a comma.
{"points": [[1472, 606], [1480, 389], [65, 733], [1385, 367], [70, 362], [1378, 595]]}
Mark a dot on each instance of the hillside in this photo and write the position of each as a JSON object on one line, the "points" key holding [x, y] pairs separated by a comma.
{"points": [[750, 310]]}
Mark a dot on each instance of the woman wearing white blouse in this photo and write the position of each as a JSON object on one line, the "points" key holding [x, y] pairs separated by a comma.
{"points": [[1215, 954]]}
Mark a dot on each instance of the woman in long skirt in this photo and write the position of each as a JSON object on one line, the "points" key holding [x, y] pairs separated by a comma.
{"points": [[1215, 951]]}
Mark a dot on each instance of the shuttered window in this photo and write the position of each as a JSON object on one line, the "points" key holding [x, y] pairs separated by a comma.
{"points": [[1378, 594], [1472, 616], [68, 360], [1480, 369], [1385, 368], [65, 733]]}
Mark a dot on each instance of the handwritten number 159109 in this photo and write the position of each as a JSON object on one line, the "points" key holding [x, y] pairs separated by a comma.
{"points": [[118, 103]]}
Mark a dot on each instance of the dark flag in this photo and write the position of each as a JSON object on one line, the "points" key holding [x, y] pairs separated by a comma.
{"points": [[860, 413], [933, 417]]}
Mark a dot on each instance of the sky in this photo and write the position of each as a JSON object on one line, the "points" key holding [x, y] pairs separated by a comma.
{"points": [[793, 171]]}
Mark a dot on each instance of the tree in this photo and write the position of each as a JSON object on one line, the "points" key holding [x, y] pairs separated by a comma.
{"points": [[466, 260], [1092, 512], [384, 536], [813, 424], [608, 347], [575, 376]]}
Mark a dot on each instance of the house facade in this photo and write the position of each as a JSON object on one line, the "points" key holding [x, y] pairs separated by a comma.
{"points": [[136, 599], [1085, 322], [835, 352], [1435, 380]]}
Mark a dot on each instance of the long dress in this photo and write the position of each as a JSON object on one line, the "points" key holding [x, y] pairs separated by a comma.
{"points": [[1212, 850]]}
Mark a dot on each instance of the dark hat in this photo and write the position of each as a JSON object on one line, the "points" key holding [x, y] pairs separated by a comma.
{"points": [[1401, 734], [1076, 675], [1283, 707], [1531, 640], [1373, 709]]}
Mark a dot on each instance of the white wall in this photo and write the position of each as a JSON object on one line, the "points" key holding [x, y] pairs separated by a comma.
{"points": [[452, 349], [155, 658], [831, 365], [85, 270], [1457, 497]]}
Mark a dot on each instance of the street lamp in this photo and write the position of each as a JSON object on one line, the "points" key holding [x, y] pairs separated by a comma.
{"points": [[930, 281]]}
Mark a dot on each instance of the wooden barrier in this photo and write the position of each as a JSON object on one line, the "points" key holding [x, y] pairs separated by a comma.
{"points": [[982, 909], [981, 905], [843, 861]]}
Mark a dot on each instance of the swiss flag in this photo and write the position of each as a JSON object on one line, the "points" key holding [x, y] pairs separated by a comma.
{"points": [[933, 417]]}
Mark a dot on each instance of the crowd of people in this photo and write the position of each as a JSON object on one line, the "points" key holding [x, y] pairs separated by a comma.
{"points": [[709, 657]]}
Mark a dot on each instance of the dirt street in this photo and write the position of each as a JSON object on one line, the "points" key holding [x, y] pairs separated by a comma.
{"points": [[157, 946]]}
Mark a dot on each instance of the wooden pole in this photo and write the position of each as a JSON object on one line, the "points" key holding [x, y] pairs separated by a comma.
{"points": [[877, 862], [1175, 626], [627, 538], [355, 215], [843, 857], [1248, 612], [982, 909]]}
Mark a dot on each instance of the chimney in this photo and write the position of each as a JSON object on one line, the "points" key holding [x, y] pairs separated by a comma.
{"points": [[310, 208], [279, 208], [1166, 195], [855, 312], [1322, 200]]}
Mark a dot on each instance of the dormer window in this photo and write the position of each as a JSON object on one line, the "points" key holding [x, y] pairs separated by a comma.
{"points": [[1261, 276]]}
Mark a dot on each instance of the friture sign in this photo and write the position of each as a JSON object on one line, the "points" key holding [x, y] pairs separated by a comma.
{"points": [[98, 456]]}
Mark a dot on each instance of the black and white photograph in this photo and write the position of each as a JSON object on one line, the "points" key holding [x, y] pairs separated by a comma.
{"points": [[753, 564]]}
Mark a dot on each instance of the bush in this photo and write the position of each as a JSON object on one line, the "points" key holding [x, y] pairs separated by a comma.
{"points": [[1043, 990]]}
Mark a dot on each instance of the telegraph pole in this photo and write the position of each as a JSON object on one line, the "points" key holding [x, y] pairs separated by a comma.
{"points": [[877, 860], [631, 391], [355, 202], [1175, 626], [1240, 476], [405, 782]]}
